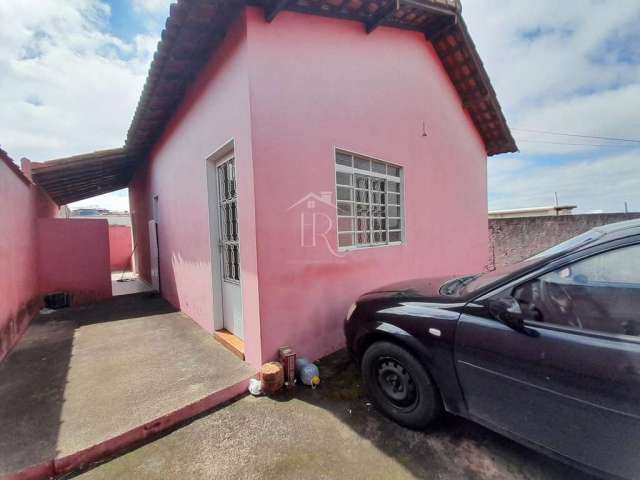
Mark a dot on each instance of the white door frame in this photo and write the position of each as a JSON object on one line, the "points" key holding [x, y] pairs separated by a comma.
{"points": [[154, 255], [211, 163]]}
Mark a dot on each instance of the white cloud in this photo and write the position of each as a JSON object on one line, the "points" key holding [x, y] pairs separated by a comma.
{"points": [[609, 113], [113, 201], [600, 183], [68, 85], [571, 67], [547, 51]]}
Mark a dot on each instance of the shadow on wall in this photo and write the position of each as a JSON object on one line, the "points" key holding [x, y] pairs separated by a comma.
{"points": [[34, 376], [453, 448], [16, 325]]}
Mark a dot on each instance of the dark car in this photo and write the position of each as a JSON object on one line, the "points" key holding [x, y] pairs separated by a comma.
{"points": [[546, 351]]}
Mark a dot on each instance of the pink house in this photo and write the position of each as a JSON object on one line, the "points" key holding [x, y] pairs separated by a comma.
{"points": [[287, 156]]}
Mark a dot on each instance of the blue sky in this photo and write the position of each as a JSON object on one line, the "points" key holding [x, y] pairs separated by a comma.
{"points": [[568, 67], [124, 22], [72, 72]]}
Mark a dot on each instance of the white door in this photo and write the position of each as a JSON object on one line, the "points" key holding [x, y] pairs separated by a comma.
{"points": [[229, 243]]}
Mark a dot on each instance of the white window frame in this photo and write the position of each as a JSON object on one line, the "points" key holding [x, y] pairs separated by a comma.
{"points": [[369, 173]]}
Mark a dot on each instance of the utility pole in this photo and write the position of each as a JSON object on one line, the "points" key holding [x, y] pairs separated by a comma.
{"points": [[626, 207]]}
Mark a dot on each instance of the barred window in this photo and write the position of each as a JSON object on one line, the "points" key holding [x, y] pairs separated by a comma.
{"points": [[369, 202]]}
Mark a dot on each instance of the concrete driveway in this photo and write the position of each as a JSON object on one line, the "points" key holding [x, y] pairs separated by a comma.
{"points": [[330, 433], [91, 380]]}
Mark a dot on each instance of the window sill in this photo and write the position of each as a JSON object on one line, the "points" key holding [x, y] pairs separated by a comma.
{"points": [[369, 247]]}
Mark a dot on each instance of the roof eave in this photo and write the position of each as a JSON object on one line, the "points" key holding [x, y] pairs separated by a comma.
{"points": [[190, 25], [75, 178]]}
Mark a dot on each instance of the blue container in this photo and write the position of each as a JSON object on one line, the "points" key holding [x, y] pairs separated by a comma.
{"points": [[307, 372]]}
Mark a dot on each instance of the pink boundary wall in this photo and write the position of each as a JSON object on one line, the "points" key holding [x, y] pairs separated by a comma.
{"points": [[74, 257], [21, 203], [40, 254], [120, 246], [289, 93]]}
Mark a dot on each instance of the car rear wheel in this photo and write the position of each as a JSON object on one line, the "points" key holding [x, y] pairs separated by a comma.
{"points": [[400, 386]]}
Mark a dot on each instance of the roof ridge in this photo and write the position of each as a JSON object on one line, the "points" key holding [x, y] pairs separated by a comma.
{"points": [[170, 73]]}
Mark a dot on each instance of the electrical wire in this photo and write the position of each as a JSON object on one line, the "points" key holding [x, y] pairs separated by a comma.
{"points": [[574, 144], [547, 132]]}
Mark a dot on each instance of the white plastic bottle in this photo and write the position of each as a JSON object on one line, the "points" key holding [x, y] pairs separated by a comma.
{"points": [[307, 372]]}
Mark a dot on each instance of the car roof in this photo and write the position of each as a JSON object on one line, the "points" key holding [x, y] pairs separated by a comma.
{"points": [[607, 233], [616, 230]]}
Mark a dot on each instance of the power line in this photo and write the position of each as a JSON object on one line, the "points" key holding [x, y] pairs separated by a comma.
{"points": [[573, 144], [546, 132]]}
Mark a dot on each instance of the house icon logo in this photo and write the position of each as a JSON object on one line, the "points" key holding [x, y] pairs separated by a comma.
{"points": [[311, 200], [316, 225]]}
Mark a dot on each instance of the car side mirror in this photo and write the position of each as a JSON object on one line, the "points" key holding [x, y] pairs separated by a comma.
{"points": [[508, 311]]}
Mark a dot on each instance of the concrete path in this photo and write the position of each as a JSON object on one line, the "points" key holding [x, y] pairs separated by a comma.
{"points": [[329, 433], [128, 283], [86, 382]]}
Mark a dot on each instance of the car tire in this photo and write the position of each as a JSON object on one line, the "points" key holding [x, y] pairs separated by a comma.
{"points": [[399, 386]]}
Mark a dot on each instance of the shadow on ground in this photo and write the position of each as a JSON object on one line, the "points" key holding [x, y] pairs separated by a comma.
{"points": [[332, 432], [453, 448], [33, 379], [34, 376]]}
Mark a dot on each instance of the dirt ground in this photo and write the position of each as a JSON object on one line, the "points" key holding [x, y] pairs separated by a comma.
{"points": [[328, 433]]}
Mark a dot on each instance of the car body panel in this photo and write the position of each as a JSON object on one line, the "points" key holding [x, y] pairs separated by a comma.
{"points": [[424, 329], [422, 289], [573, 394]]}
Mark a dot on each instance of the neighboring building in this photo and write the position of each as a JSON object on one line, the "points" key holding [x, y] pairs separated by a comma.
{"points": [[111, 216], [533, 212], [288, 160]]}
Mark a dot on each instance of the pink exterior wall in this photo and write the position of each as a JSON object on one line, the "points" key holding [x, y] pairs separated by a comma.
{"points": [[74, 257], [120, 247], [288, 93], [21, 203], [139, 208], [215, 110], [317, 83]]}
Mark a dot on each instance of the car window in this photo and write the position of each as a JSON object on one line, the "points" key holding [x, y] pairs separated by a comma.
{"points": [[600, 293], [571, 244], [476, 282]]}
